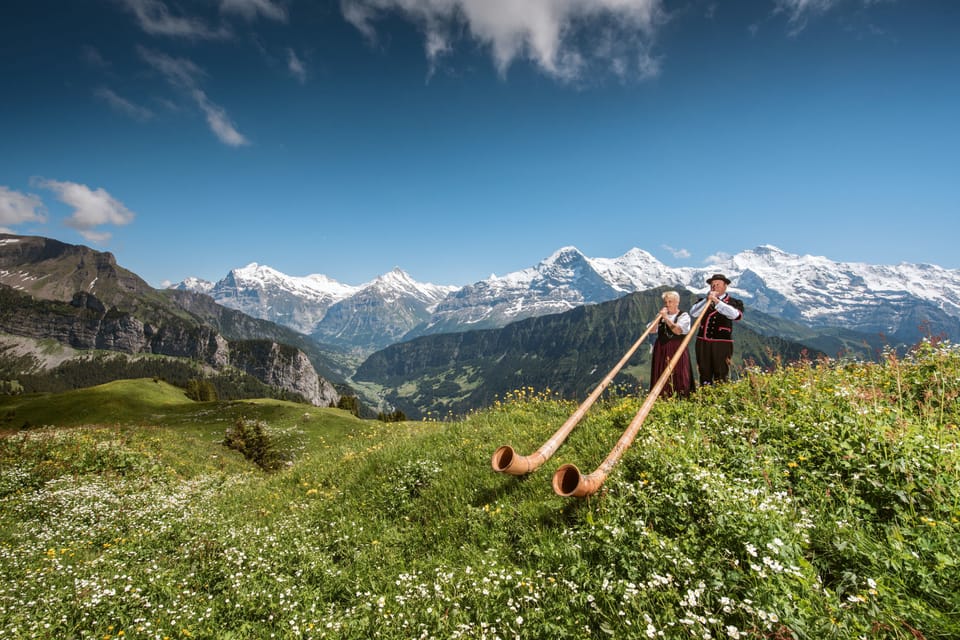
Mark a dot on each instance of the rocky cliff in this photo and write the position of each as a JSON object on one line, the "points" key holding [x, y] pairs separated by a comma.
{"points": [[284, 367]]}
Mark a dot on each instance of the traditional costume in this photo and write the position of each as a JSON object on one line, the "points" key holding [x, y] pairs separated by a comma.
{"points": [[681, 380], [715, 336]]}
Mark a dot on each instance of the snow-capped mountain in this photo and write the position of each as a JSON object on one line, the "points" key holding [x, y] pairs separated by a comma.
{"points": [[370, 315], [197, 285], [902, 302], [262, 292], [565, 280], [561, 282], [381, 312], [896, 300]]}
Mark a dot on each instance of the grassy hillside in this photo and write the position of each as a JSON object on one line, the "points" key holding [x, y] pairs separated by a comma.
{"points": [[817, 501]]}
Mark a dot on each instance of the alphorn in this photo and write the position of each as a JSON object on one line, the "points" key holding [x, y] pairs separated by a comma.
{"points": [[506, 460], [568, 481]]}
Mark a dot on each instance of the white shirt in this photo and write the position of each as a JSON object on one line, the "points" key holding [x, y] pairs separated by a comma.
{"points": [[722, 307], [681, 319]]}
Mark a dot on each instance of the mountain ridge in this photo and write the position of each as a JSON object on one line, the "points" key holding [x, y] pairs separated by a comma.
{"points": [[901, 302]]}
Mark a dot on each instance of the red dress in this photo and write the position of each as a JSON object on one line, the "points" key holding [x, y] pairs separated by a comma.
{"points": [[681, 380]]}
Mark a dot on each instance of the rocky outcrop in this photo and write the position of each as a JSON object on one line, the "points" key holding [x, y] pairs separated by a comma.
{"points": [[87, 323], [284, 367]]}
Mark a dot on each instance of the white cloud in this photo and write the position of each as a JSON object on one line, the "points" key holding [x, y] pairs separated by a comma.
{"points": [[155, 18], [179, 72], [799, 8], [219, 121], [296, 67], [17, 208], [250, 9], [185, 76], [676, 253], [717, 258], [800, 11], [549, 33], [122, 105], [91, 208]]}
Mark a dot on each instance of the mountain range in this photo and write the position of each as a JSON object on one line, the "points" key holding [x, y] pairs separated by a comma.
{"points": [[77, 301], [432, 349], [902, 303]]}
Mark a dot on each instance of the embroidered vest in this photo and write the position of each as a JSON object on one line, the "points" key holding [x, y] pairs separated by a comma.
{"points": [[716, 326], [664, 333]]}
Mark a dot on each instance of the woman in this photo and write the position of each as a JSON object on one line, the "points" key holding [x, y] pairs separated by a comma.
{"points": [[673, 324]]}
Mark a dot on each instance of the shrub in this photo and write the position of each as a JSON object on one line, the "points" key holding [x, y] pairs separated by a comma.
{"points": [[253, 440]]}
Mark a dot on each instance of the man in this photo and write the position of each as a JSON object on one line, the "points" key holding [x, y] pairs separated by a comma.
{"points": [[715, 335]]}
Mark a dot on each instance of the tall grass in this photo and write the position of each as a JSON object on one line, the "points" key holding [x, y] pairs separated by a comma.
{"points": [[820, 500]]}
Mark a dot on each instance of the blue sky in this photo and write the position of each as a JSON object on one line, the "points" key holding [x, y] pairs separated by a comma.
{"points": [[460, 138]]}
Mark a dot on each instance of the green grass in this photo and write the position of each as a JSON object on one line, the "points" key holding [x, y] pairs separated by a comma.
{"points": [[123, 401], [817, 501]]}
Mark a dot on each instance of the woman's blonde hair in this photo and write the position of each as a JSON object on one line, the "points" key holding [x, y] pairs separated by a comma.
{"points": [[670, 294]]}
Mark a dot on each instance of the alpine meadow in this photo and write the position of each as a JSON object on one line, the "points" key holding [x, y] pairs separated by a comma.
{"points": [[814, 500]]}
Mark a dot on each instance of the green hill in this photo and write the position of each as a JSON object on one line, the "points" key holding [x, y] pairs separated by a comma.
{"points": [[814, 501]]}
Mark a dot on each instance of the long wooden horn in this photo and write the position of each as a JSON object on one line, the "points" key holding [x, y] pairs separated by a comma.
{"points": [[506, 460], [568, 481]]}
